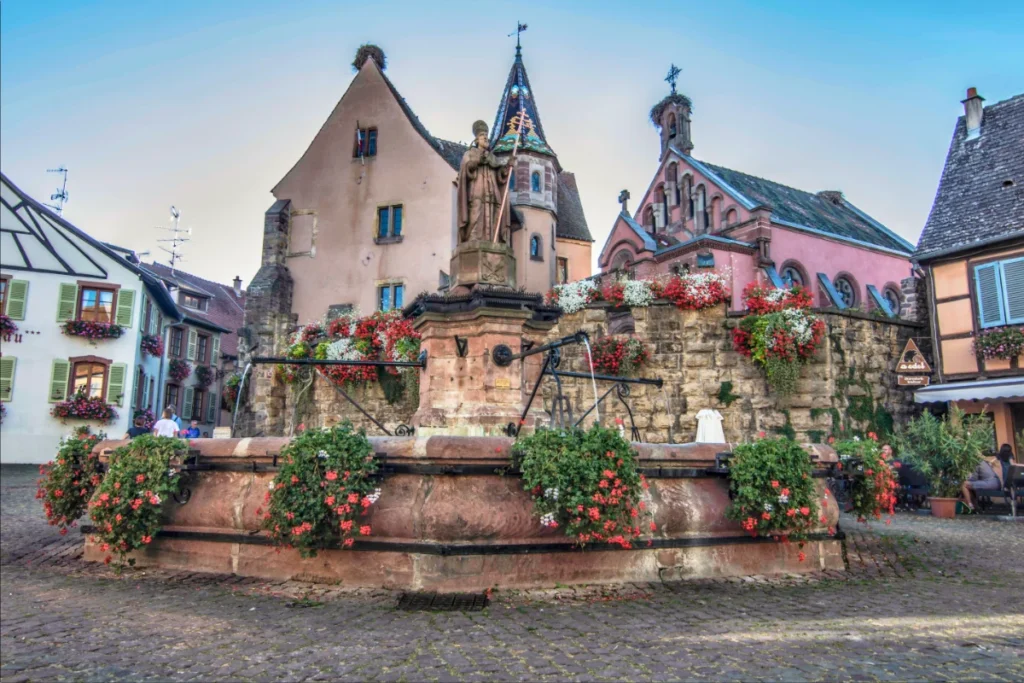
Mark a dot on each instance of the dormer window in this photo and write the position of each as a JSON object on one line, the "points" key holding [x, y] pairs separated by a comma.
{"points": [[365, 143], [197, 303]]}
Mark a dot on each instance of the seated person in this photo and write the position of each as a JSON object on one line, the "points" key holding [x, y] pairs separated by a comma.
{"points": [[138, 429], [983, 479], [193, 430]]}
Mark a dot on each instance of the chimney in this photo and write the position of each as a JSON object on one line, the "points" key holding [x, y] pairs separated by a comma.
{"points": [[237, 282], [973, 112]]}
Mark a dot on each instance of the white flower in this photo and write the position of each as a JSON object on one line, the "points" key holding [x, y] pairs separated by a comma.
{"points": [[856, 438], [322, 455], [783, 499], [271, 485], [373, 497], [637, 293], [551, 493], [768, 507], [548, 519], [343, 349], [574, 296]]}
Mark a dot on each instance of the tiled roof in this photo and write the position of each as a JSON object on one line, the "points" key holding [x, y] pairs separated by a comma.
{"points": [[981, 192], [451, 152], [225, 309], [826, 212], [572, 224]]}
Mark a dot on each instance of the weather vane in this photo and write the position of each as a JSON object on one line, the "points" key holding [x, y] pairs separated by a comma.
{"points": [[673, 75], [520, 27]]}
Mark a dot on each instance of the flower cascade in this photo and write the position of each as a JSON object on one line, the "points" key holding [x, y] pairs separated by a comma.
{"points": [[66, 483], [618, 355], [91, 329], [773, 492], [147, 415], [232, 385], [152, 344], [179, 370], [585, 482], [872, 477], [689, 292], [81, 406], [324, 488], [204, 375], [780, 334], [125, 509], [7, 325]]}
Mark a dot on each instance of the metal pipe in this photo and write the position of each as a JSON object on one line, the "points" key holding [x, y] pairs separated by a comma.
{"points": [[505, 359], [422, 363], [612, 378]]}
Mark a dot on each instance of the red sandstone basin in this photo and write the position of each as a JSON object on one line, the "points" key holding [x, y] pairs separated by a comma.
{"points": [[468, 526]]}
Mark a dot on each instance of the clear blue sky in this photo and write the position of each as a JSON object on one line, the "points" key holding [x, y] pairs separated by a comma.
{"points": [[206, 105]]}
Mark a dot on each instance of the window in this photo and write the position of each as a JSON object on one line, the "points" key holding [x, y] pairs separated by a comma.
{"points": [[792, 275], [195, 302], [536, 248], [177, 334], [140, 389], [150, 397], [562, 273], [672, 125], [535, 185], [649, 218], [171, 397], [512, 182], [89, 377], [999, 291], [96, 305], [622, 260], [3, 295], [389, 221], [197, 405], [846, 289], [892, 297], [202, 349], [673, 179], [731, 217], [147, 318], [365, 143], [390, 297]]}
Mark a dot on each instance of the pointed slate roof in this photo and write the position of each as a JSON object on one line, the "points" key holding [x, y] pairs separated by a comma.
{"points": [[515, 98], [980, 199], [571, 224]]}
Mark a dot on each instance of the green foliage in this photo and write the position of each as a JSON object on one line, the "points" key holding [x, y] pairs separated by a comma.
{"points": [[816, 435], [125, 509], [586, 482], [873, 481], [725, 395], [786, 430], [773, 490], [326, 482], [68, 482], [947, 451]]}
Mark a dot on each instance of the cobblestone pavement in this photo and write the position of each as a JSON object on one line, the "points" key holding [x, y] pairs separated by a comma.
{"points": [[924, 599]]}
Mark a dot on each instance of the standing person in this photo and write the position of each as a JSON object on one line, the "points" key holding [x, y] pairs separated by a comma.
{"points": [[165, 426], [193, 430], [175, 418], [138, 429]]}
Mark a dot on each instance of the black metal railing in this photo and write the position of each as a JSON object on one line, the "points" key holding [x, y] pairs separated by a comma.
{"points": [[561, 407], [401, 429]]}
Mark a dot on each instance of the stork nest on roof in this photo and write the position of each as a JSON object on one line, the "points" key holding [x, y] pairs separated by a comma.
{"points": [[368, 51], [659, 109]]}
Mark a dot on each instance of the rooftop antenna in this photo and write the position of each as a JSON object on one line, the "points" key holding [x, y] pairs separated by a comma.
{"points": [[176, 239], [61, 195]]}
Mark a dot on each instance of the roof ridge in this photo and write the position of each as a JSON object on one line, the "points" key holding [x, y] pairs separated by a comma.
{"points": [[762, 179]]}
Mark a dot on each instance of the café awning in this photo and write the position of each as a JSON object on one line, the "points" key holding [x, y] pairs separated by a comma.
{"points": [[980, 390]]}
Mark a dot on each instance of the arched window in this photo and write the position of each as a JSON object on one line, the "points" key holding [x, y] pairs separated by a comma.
{"points": [[688, 196], [662, 201], [731, 216], [793, 274], [649, 218], [701, 209], [893, 298], [536, 248], [671, 125], [622, 260], [512, 181], [535, 185], [673, 178], [847, 289], [714, 213]]}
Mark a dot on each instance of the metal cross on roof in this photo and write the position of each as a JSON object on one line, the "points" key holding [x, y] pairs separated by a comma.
{"points": [[520, 27], [673, 75]]}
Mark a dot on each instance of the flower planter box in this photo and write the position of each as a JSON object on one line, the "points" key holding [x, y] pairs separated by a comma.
{"points": [[92, 330], [944, 508]]}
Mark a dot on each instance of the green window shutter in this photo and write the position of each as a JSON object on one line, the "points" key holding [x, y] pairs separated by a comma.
{"points": [[186, 408], [211, 409], [145, 391], [17, 296], [115, 383], [215, 353], [1013, 290], [125, 307], [67, 302], [7, 364], [190, 353], [142, 315], [59, 374]]}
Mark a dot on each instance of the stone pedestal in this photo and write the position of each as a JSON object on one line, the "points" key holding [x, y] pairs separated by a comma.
{"points": [[482, 263], [463, 391]]}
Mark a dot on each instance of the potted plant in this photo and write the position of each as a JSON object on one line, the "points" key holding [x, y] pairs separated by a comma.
{"points": [[946, 451]]}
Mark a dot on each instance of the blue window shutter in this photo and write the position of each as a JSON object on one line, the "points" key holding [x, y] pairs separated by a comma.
{"points": [[396, 221], [382, 221], [1013, 290], [773, 276], [399, 295], [989, 293]]}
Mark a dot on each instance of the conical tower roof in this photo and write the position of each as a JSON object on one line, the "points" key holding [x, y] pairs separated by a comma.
{"points": [[516, 98]]}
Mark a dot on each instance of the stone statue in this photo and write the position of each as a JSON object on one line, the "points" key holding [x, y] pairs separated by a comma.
{"points": [[482, 178]]}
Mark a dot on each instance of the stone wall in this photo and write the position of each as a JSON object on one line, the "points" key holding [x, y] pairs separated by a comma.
{"points": [[323, 405], [848, 385]]}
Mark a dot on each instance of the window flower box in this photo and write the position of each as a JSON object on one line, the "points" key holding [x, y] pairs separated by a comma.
{"points": [[204, 376], [1001, 343], [152, 344], [92, 330], [82, 407], [7, 326], [179, 370]]}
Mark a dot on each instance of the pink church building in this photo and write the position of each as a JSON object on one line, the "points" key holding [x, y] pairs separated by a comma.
{"points": [[697, 215]]}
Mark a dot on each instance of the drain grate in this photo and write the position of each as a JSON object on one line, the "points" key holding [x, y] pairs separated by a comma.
{"points": [[442, 602]]}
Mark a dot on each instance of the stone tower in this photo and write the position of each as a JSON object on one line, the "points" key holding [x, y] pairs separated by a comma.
{"points": [[533, 191], [672, 117]]}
